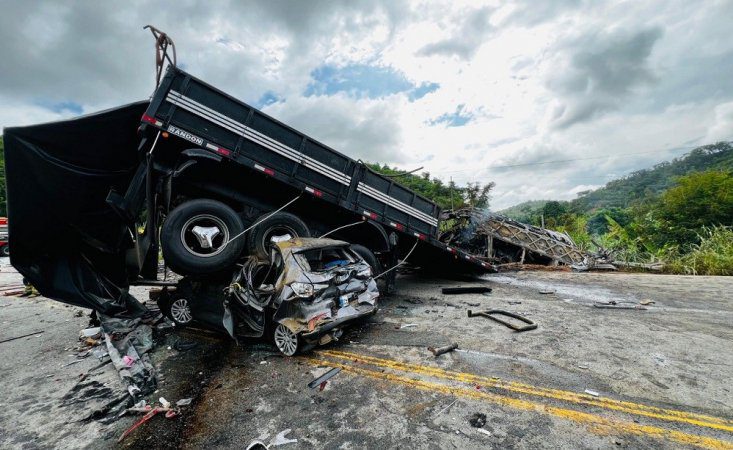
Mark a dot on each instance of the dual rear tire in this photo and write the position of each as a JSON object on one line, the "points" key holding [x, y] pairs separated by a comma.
{"points": [[204, 236]]}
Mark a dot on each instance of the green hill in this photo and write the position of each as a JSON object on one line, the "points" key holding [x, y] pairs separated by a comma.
{"points": [[524, 211], [639, 185]]}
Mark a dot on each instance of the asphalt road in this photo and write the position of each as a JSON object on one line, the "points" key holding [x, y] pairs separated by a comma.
{"points": [[661, 374]]}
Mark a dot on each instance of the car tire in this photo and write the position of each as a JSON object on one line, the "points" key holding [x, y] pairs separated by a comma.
{"points": [[258, 241], [196, 237], [369, 257], [5, 250]]}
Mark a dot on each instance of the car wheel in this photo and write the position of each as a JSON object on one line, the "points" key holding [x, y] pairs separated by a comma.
{"points": [[180, 312], [369, 257], [286, 340], [197, 237], [176, 307], [5, 251], [280, 224]]}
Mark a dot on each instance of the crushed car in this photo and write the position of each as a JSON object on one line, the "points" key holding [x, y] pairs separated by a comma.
{"points": [[303, 296]]}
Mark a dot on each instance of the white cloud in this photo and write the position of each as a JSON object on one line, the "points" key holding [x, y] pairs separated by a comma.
{"points": [[722, 127], [627, 84]]}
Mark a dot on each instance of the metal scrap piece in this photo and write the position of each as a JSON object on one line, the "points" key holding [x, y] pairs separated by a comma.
{"points": [[325, 377], [466, 290], [614, 305], [489, 314], [440, 350]]}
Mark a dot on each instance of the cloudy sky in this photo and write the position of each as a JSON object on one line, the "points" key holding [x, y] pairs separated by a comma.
{"points": [[544, 98]]}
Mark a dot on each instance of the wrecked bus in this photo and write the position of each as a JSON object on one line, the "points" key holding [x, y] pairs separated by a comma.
{"points": [[205, 180]]}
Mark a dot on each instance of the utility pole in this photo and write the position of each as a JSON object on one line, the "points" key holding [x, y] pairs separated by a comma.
{"points": [[451, 192]]}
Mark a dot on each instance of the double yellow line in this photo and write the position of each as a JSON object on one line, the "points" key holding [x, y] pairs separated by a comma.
{"points": [[596, 423]]}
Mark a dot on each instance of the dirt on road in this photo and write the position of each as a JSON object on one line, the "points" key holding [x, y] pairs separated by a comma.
{"points": [[587, 377]]}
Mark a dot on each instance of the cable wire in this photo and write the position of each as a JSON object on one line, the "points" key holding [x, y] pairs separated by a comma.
{"points": [[404, 260], [341, 228], [264, 218]]}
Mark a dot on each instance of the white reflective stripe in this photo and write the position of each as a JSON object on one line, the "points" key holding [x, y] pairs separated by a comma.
{"points": [[241, 130], [257, 137], [370, 191], [396, 203]]}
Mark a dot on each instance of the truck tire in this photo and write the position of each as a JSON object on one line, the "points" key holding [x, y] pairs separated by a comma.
{"points": [[369, 257], [282, 223], [196, 237]]}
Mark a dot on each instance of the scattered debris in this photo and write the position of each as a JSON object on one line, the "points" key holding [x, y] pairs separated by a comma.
{"points": [[257, 445], [583, 366], [149, 414], [489, 314], [128, 343], [324, 378], [280, 439], [547, 292], [445, 409], [486, 432], [477, 420], [440, 350], [165, 403], [20, 337], [590, 392], [413, 300], [183, 346], [513, 302], [466, 290], [407, 325], [647, 302], [614, 305], [73, 362], [95, 332], [184, 402]]}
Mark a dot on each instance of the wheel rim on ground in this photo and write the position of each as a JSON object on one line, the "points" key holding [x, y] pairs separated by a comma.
{"points": [[204, 235], [285, 340], [181, 311]]}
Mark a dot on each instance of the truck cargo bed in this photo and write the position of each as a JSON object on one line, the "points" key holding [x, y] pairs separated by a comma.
{"points": [[187, 107]]}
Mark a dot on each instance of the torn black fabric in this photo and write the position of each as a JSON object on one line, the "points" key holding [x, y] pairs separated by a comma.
{"points": [[66, 240]]}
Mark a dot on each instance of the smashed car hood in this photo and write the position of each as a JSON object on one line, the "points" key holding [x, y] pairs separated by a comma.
{"points": [[66, 240]]}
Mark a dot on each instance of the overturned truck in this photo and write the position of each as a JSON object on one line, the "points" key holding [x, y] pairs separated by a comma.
{"points": [[210, 183]]}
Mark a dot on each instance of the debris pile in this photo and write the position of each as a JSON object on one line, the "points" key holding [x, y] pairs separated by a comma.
{"points": [[497, 239]]}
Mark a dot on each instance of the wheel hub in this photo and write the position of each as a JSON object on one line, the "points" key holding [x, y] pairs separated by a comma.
{"points": [[285, 340], [205, 235], [181, 311]]}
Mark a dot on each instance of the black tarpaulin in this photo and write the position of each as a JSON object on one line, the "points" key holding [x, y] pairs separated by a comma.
{"points": [[64, 237]]}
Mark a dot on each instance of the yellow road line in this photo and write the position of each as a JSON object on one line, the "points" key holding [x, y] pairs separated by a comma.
{"points": [[596, 424], [573, 397]]}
